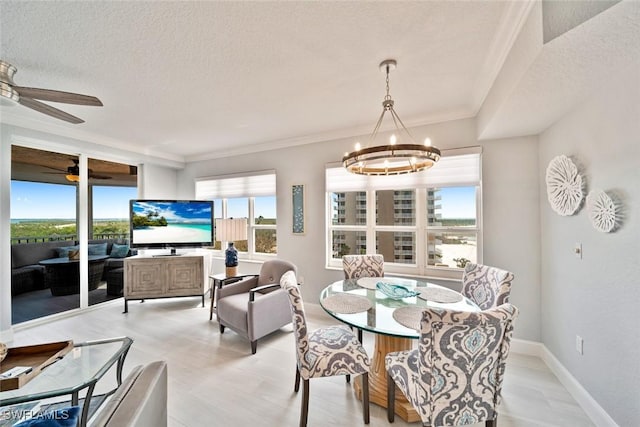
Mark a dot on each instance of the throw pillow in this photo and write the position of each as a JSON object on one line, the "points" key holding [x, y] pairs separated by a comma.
{"points": [[63, 417], [119, 251], [98, 249], [63, 252]]}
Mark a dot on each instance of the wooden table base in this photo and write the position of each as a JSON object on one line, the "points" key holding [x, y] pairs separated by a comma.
{"points": [[378, 377]]}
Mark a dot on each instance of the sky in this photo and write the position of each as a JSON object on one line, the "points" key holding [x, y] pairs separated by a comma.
{"points": [[458, 202], [30, 200]]}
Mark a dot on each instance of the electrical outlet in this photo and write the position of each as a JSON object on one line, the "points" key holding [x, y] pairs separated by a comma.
{"points": [[577, 250], [579, 345]]}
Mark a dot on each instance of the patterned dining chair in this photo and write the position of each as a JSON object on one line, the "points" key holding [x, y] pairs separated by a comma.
{"points": [[324, 352], [455, 375], [356, 266], [487, 286]]}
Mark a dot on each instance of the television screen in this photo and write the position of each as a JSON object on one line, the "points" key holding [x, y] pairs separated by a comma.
{"points": [[171, 223]]}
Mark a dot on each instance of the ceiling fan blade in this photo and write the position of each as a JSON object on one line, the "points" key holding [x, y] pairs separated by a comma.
{"points": [[58, 96], [49, 110]]}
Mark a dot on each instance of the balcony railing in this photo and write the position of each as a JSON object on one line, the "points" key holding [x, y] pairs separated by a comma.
{"points": [[65, 237]]}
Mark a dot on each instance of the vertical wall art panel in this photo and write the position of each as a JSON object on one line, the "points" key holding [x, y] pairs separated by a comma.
{"points": [[297, 192]]}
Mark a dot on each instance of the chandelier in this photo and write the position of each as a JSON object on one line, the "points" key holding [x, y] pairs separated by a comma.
{"points": [[394, 158]]}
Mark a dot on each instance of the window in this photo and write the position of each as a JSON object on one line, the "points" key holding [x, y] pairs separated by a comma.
{"points": [[251, 196], [423, 224]]}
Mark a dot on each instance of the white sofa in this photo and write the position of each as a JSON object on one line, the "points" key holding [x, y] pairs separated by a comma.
{"points": [[140, 401]]}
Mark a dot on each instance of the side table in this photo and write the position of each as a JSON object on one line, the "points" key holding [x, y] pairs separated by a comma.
{"points": [[220, 280]]}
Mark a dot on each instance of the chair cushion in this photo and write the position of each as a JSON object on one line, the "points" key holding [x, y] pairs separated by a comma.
{"points": [[334, 350], [119, 251], [31, 253], [97, 249], [233, 309], [64, 250]]}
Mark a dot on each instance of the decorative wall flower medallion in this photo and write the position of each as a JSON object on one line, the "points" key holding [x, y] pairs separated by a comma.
{"points": [[602, 211], [564, 186]]}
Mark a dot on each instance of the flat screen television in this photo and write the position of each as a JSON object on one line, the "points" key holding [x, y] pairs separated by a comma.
{"points": [[170, 223]]}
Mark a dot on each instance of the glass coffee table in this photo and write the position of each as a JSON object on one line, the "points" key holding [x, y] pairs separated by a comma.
{"points": [[79, 369]]}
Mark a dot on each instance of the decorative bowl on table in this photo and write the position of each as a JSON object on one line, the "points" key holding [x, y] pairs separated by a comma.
{"points": [[395, 291]]}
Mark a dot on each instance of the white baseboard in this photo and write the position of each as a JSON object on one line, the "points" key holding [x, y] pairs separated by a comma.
{"points": [[597, 414], [532, 348]]}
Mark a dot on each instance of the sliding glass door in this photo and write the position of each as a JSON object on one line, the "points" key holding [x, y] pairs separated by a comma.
{"points": [[47, 225]]}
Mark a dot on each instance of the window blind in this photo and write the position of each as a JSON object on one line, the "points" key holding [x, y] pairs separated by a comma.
{"points": [[255, 184], [455, 167]]}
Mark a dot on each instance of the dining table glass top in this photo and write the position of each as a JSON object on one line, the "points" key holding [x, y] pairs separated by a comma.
{"points": [[385, 296]]}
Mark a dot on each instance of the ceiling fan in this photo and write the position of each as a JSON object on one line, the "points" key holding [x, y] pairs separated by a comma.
{"points": [[27, 96], [73, 173]]}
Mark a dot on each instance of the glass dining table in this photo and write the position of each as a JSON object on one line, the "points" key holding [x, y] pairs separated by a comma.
{"points": [[391, 308]]}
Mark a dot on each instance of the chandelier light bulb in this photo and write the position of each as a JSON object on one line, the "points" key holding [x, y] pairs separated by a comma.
{"points": [[393, 139], [427, 142], [358, 146], [412, 161]]}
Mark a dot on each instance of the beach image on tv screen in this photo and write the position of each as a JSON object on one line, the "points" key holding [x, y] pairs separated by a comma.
{"points": [[171, 222]]}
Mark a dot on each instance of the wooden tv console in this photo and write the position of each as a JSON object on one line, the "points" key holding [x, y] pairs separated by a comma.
{"points": [[163, 277]]}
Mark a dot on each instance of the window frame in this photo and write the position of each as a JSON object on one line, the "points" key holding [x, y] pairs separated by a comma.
{"points": [[421, 229], [251, 253], [242, 193]]}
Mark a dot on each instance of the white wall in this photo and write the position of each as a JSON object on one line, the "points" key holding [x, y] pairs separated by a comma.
{"points": [[157, 182], [6, 333], [597, 297], [510, 204]]}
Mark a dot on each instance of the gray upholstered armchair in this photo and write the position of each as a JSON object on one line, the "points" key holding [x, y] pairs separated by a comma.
{"points": [[256, 306]]}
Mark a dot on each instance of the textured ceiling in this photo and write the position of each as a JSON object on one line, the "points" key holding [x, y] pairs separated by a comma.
{"points": [[187, 80]]}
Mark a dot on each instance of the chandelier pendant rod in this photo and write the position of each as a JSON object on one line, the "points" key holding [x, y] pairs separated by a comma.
{"points": [[395, 116], [377, 127]]}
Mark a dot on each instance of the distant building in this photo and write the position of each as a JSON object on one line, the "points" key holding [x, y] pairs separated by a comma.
{"points": [[392, 208]]}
